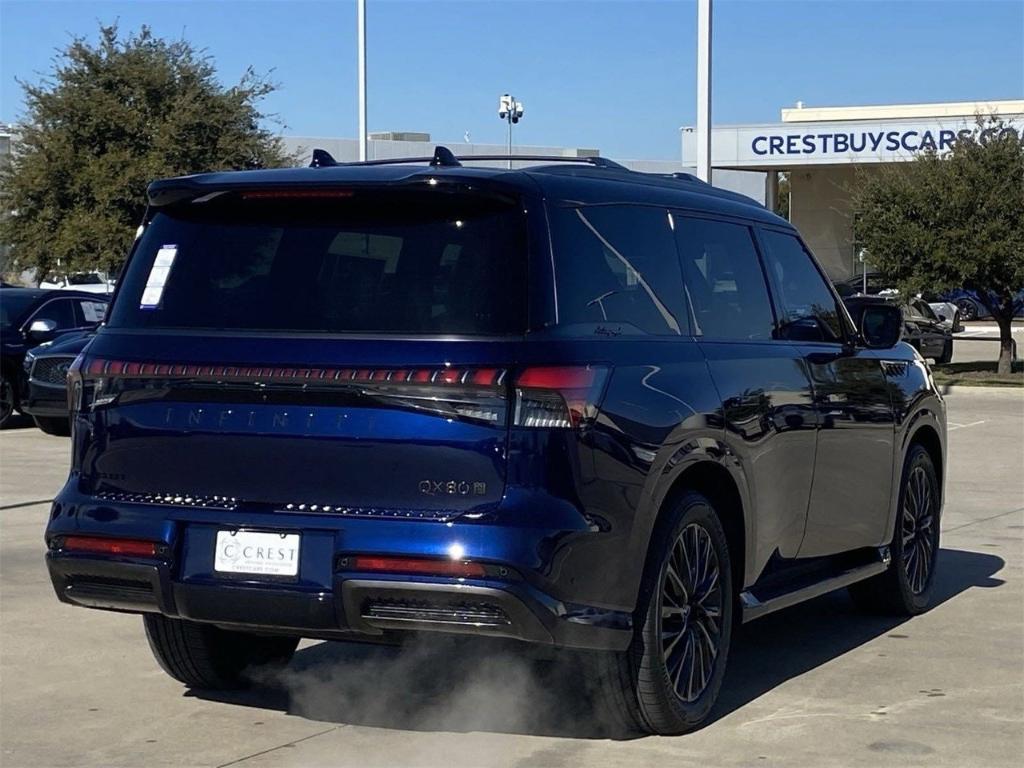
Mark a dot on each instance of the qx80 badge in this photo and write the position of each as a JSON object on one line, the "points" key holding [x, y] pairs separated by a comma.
{"points": [[452, 488]]}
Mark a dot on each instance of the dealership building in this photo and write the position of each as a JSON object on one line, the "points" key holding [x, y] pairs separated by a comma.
{"points": [[822, 149]]}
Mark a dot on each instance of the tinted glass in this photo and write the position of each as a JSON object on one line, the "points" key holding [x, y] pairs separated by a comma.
{"points": [[362, 262], [616, 268], [13, 304], [61, 311], [806, 306], [723, 279]]}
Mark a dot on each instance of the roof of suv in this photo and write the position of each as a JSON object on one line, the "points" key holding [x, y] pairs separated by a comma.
{"points": [[575, 180]]}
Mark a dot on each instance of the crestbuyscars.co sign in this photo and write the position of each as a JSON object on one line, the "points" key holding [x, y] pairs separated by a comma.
{"points": [[790, 144]]}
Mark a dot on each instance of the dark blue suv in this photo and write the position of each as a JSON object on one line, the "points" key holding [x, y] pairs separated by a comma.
{"points": [[605, 412]]}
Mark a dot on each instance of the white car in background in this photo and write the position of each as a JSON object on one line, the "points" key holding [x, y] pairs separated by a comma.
{"points": [[91, 282]]}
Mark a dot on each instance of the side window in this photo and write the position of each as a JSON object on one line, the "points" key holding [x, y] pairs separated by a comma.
{"points": [[807, 309], [90, 312], [617, 265], [922, 309], [723, 278], [60, 311]]}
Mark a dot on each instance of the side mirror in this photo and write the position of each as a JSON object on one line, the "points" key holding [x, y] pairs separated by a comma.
{"points": [[41, 330], [942, 318], [881, 326]]}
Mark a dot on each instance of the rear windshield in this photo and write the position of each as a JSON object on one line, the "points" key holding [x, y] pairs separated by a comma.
{"points": [[363, 262]]}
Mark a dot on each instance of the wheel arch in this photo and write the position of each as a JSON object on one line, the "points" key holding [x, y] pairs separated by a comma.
{"points": [[713, 481], [927, 437]]}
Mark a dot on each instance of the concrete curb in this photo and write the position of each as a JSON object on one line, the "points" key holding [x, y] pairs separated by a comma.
{"points": [[976, 389]]}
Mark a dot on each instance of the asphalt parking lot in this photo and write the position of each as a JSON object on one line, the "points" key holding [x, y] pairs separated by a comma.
{"points": [[817, 685]]}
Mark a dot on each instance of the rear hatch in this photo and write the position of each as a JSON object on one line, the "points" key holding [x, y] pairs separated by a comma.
{"points": [[328, 350]]}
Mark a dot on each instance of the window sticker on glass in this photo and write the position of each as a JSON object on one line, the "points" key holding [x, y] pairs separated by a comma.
{"points": [[94, 311], [158, 273]]}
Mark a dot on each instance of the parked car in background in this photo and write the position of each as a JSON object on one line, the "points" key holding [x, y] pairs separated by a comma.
{"points": [[90, 282], [922, 329], [30, 317], [575, 405], [46, 370], [971, 308], [948, 313]]}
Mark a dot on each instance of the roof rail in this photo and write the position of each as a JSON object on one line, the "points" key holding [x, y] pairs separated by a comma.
{"points": [[444, 157]]}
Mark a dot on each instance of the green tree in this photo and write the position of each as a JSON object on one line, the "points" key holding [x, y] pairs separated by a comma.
{"points": [[110, 118], [952, 220]]}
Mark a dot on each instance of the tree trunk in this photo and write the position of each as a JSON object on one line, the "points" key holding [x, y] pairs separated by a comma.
{"points": [[1005, 321]]}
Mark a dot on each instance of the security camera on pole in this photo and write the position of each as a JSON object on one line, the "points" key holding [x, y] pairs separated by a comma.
{"points": [[510, 110]]}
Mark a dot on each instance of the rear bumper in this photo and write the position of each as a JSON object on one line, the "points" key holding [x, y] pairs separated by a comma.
{"points": [[325, 601]]}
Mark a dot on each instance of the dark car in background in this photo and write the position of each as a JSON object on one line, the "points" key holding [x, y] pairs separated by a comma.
{"points": [[603, 413], [31, 316], [46, 367], [922, 329]]}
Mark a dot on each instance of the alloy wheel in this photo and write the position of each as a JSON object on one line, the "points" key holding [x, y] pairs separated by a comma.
{"points": [[691, 612], [918, 529]]}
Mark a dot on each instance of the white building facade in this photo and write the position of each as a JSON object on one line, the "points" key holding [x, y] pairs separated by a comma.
{"points": [[822, 150]]}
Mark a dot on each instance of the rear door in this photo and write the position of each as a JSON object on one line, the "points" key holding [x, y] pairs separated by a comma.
{"points": [[325, 352], [765, 392], [849, 504]]}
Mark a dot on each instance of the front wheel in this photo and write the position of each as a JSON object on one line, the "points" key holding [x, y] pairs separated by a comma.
{"points": [[906, 587], [205, 656], [668, 680]]}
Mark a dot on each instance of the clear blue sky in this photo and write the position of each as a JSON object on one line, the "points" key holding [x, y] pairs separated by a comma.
{"points": [[614, 75]]}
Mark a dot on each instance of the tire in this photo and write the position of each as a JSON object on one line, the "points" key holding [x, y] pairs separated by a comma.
{"points": [[643, 688], [8, 400], [905, 589], [947, 353], [968, 309], [205, 656], [53, 425]]}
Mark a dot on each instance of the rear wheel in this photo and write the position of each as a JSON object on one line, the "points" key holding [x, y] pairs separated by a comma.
{"points": [[205, 656], [669, 678], [968, 309], [53, 425], [906, 587]]}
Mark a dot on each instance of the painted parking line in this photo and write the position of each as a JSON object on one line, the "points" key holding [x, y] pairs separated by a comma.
{"points": [[954, 425]]}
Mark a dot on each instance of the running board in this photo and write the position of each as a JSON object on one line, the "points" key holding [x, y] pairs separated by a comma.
{"points": [[754, 606]]}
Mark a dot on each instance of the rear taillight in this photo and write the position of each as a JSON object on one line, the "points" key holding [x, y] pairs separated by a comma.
{"points": [[98, 545], [558, 397]]}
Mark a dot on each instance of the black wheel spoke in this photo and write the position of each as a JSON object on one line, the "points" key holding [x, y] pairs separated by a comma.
{"points": [[918, 529]]}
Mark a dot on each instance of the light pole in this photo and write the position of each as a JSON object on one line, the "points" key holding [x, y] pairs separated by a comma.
{"points": [[361, 46], [704, 90], [509, 110]]}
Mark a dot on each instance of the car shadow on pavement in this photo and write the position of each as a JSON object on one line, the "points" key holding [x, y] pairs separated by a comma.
{"points": [[784, 645], [442, 684]]}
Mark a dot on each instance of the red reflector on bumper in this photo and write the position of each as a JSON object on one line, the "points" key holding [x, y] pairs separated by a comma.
{"points": [[418, 566], [102, 546]]}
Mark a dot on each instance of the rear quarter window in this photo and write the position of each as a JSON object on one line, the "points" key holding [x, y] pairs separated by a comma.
{"points": [[617, 271]]}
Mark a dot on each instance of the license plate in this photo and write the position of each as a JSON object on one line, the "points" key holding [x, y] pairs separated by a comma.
{"points": [[257, 552]]}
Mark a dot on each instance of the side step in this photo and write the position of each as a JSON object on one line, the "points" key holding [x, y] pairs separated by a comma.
{"points": [[760, 602]]}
